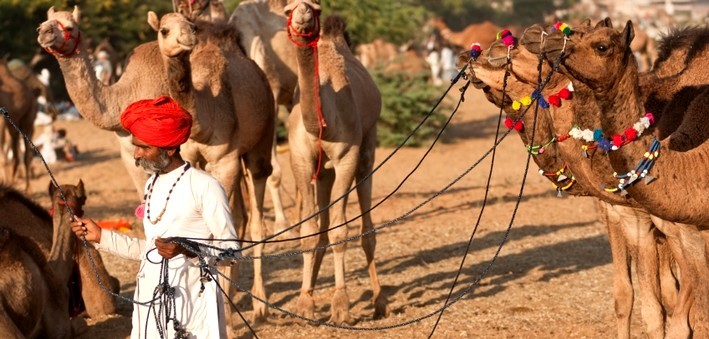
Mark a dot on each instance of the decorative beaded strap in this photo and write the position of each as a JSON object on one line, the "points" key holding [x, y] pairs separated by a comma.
{"points": [[641, 170], [618, 140]]}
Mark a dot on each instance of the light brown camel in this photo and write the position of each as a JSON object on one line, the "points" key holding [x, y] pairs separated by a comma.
{"points": [[630, 231], [209, 75], [483, 33], [34, 300], [644, 48], [21, 105], [335, 114], [620, 101], [262, 36], [379, 51]]}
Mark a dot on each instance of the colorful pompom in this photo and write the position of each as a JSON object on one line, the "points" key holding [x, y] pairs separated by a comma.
{"points": [[508, 123], [516, 105], [554, 100], [617, 140], [518, 126], [562, 27], [506, 37], [597, 134], [475, 50], [650, 117], [630, 134], [604, 144], [565, 93], [543, 103], [526, 101]]}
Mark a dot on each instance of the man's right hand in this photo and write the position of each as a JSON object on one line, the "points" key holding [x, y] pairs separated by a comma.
{"points": [[87, 228]]}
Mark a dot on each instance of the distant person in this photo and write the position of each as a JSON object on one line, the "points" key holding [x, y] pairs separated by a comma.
{"points": [[447, 62], [103, 68]]}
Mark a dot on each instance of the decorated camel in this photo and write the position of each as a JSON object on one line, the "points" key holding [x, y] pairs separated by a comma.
{"points": [[21, 105], [483, 33], [34, 299], [630, 231], [210, 77], [332, 136], [620, 100]]}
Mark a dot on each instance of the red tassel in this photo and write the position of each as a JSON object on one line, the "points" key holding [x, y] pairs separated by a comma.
{"points": [[554, 100], [617, 140], [519, 126], [565, 93], [630, 134]]}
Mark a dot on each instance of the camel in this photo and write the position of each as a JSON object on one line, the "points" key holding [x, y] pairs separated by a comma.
{"points": [[483, 33], [21, 105], [334, 117], [376, 52], [643, 46], [34, 300], [631, 233], [620, 100], [211, 78]]}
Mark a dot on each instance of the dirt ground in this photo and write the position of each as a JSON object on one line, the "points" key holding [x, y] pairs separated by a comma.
{"points": [[551, 279]]}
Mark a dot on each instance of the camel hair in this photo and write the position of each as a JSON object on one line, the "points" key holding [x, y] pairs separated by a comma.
{"points": [[212, 79], [334, 116], [684, 240], [483, 33], [20, 103], [34, 300], [630, 231]]}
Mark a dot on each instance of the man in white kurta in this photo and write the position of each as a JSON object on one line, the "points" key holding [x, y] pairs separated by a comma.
{"points": [[180, 201]]}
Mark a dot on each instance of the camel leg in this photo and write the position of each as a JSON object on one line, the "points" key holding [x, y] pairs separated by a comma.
{"points": [[622, 284], [274, 188], [640, 234], [693, 243], [369, 242], [668, 279], [257, 177], [302, 174], [678, 321]]}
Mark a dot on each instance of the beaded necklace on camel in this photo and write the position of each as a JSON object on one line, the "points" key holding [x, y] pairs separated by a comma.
{"points": [[143, 208]]}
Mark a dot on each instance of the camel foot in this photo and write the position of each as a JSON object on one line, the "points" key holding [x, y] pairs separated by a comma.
{"points": [[260, 309], [381, 307], [341, 308], [306, 307], [78, 326]]}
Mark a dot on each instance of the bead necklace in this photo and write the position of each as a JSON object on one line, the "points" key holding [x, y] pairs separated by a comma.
{"points": [[640, 171], [150, 193], [616, 141]]}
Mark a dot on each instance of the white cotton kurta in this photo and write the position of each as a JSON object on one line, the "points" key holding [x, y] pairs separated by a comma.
{"points": [[197, 208]]}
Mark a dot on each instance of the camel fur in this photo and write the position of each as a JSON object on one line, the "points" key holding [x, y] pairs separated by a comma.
{"points": [[350, 105]]}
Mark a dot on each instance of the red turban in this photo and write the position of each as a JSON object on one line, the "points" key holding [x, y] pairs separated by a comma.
{"points": [[159, 122]]}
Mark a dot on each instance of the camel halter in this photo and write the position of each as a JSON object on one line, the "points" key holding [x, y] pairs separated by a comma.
{"points": [[77, 210], [67, 36], [313, 44]]}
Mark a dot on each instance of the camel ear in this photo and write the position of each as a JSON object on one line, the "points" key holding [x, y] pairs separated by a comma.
{"points": [[80, 188], [76, 14], [153, 21], [51, 189], [628, 34], [605, 23], [50, 11], [586, 22]]}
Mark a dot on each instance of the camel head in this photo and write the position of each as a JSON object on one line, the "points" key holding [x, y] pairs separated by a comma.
{"points": [[303, 20], [176, 34], [191, 9], [75, 198], [596, 55], [60, 34]]}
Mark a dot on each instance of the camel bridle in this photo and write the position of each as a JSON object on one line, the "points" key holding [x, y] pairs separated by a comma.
{"points": [[59, 52]]}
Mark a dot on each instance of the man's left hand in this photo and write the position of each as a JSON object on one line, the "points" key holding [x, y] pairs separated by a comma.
{"points": [[168, 249]]}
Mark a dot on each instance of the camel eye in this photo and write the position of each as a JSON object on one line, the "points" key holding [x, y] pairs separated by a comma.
{"points": [[602, 48], [164, 31]]}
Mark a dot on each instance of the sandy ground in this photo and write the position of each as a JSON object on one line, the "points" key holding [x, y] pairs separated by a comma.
{"points": [[551, 279]]}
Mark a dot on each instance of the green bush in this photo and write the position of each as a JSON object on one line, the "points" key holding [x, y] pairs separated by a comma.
{"points": [[406, 99]]}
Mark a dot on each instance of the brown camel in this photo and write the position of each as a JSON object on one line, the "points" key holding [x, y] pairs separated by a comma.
{"points": [[34, 301], [620, 100], [21, 105], [631, 233], [211, 77], [483, 33], [334, 117]]}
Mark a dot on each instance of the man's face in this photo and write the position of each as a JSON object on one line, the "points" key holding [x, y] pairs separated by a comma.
{"points": [[152, 159]]}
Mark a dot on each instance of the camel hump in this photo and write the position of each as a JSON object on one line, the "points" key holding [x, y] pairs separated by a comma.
{"points": [[335, 25]]}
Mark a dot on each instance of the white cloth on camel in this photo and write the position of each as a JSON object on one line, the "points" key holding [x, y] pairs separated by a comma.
{"points": [[197, 208]]}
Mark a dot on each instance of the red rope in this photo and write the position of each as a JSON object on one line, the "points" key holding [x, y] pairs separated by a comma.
{"points": [[316, 85]]}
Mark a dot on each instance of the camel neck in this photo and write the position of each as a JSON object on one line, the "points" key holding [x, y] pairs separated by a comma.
{"points": [[309, 87]]}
